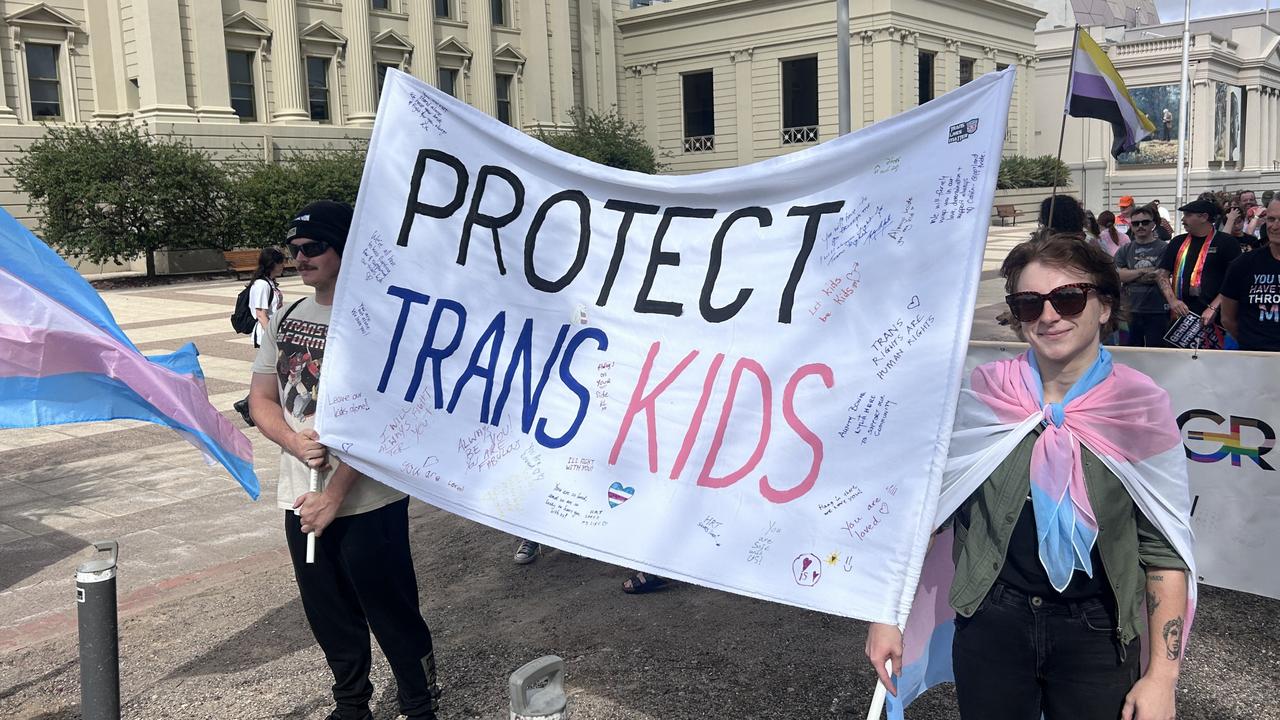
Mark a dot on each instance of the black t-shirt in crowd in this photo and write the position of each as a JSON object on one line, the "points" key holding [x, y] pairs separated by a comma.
{"points": [[1223, 250], [1253, 281], [1024, 571]]}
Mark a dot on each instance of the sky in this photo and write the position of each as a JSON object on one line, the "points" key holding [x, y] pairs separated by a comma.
{"points": [[1171, 10]]}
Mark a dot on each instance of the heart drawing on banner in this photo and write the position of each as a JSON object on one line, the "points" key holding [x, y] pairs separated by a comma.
{"points": [[346, 446], [915, 302], [619, 494]]}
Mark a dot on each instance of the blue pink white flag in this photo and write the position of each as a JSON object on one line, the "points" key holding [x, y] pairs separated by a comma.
{"points": [[63, 359]]}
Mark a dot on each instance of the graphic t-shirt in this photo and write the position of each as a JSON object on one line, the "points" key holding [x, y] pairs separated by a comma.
{"points": [[1143, 296], [1223, 250], [293, 351], [1254, 282]]}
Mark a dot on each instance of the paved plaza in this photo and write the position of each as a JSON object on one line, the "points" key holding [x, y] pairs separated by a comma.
{"points": [[211, 625]]}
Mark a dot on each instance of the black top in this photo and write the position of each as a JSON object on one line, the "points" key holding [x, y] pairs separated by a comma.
{"points": [[1023, 570], [1253, 281], [1223, 250]]}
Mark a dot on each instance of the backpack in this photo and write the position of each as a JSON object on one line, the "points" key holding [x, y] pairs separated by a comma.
{"points": [[242, 318]]}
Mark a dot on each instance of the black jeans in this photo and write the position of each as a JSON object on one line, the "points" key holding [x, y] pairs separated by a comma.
{"points": [[1021, 655], [363, 579], [1148, 329]]}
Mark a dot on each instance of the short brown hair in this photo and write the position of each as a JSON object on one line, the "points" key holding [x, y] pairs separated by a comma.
{"points": [[1148, 210], [1071, 253]]}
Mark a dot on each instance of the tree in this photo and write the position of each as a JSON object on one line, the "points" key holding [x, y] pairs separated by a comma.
{"points": [[605, 138], [114, 192], [265, 196]]}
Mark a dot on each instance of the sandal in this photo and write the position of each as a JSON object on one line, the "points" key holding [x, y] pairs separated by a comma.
{"points": [[642, 583]]}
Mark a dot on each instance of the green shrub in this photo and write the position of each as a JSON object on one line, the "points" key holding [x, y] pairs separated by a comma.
{"points": [[114, 192], [265, 196], [605, 138], [1019, 171]]}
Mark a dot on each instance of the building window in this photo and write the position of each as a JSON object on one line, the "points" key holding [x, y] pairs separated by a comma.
{"points": [[502, 89], [800, 100], [447, 80], [925, 68], [381, 4], [1001, 66], [699, 112], [240, 74], [318, 88], [499, 10], [42, 79], [443, 10], [966, 70], [380, 70]]}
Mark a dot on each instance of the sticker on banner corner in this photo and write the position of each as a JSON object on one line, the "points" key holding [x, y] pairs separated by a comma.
{"points": [[963, 130]]}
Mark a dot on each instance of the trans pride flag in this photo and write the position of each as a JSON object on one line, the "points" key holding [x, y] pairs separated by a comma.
{"points": [[64, 359], [1095, 90], [1122, 417]]}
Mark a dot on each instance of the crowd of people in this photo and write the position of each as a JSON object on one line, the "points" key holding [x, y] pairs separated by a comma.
{"points": [[1221, 270]]}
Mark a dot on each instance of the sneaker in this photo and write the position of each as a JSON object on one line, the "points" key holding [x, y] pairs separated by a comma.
{"points": [[526, 552], [242, 407], [362, 714]]}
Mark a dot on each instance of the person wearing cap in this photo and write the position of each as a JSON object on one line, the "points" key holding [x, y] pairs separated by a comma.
{"points": [[363, 577], [1122, 217], [1194, 265]]}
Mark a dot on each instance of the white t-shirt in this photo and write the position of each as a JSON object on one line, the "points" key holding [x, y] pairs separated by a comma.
{"points": [[293, 354], [263, 295]]}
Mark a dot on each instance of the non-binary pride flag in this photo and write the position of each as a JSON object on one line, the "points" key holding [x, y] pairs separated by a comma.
{"points": [[1095, 90], [64, 359]]}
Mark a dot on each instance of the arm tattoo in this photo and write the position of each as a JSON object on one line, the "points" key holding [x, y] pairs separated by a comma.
{"points": [[1153, 602], [1173, 638]]}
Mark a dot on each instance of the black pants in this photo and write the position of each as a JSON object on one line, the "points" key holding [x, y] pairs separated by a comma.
{"points": [[1148, 329], [1020, 656], [363, 579]]}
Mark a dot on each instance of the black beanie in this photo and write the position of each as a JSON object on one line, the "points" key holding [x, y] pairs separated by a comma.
{"points": [[324, 220]]}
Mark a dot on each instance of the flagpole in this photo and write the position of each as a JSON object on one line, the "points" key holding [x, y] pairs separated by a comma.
{"points": [[1179, 196], [1062, 130]]}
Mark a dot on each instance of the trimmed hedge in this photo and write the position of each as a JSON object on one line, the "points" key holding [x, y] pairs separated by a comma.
{"points": [[1020, 171]]}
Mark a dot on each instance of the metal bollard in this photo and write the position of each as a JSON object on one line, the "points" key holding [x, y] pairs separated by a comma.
{"points": [[544, 703], [99, 640]]}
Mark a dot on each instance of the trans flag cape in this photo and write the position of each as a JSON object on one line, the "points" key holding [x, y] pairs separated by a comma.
{"points": [[1116, 412], [63, 359]]}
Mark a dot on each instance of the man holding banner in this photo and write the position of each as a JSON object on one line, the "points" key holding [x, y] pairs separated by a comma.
{"points": [[362, 577], [1066, 491]]}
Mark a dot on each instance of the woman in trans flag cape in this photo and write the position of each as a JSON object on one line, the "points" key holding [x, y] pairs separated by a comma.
{"points": [[1042, 630]]}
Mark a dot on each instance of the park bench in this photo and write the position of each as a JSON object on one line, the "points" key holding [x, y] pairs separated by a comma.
{"points": [[1007, 212], [246, 261]]}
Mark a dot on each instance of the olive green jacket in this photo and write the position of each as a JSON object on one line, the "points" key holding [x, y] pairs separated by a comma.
{"points": [[1127, 541]]}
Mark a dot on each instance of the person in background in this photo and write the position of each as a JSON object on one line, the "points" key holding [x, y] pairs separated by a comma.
{"points": [[1166, 125], [1136, 264], [1122, 217], [1234, 224], [1250, 299], [1195, 263], [1068, 216], [1091, 229], [1110, 239], [1164, 230], [265, 300]]}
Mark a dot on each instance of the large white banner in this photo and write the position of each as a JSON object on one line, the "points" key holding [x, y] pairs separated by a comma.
{"points": [[1228, 407], [744, 379]]}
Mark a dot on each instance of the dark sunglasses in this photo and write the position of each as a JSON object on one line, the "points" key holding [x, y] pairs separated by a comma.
{"points": [[1143, 222], [315, 248], [1067, 301]]}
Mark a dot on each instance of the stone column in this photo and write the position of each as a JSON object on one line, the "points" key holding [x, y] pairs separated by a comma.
{"points": [[649, 104], [742, 110], [162, 78], [213, 88], [1253, 150], [422, 33], [536, 72], [1201, 149], [109, 78], [562, 100], [286, 62], [590, 60], [480, 38], [1267, 127], [949, 64], [608, 55], [886, 63], [909, 50], [359, 62]]}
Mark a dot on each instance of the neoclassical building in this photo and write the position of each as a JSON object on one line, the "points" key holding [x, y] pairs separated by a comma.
{"points": [[1233, 114]]}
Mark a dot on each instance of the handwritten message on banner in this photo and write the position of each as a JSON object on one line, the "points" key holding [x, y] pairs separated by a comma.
{"points": [[744, 379]]}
